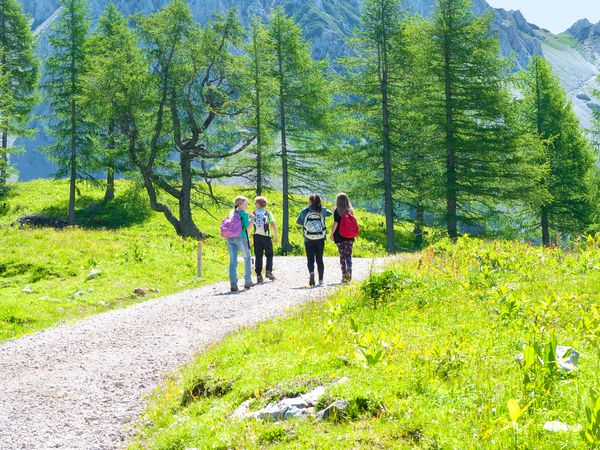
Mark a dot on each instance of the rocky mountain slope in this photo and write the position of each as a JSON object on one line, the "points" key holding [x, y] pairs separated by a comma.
{"points": [[329, 22]]}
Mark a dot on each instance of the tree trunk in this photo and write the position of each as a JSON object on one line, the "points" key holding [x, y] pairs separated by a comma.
{"points": [[4, 161], [73, 165], [186, 221], [451, 188], [387, 150], [419, 225], [110, 175], [545, 227], [259, 159], [73, 161], [285, 233], [110, 185]]}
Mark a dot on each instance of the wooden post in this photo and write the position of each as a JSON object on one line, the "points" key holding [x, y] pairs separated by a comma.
{"points": [[199, 268]]}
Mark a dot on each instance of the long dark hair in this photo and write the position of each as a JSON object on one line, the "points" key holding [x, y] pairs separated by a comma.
{"points": [[315, 202]]}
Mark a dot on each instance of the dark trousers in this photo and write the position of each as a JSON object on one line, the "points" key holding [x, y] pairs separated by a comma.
{"points": [[314, 251], [263, 245]]}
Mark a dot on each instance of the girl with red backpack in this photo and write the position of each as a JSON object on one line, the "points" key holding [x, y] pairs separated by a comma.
{"points": [[343, 232]]}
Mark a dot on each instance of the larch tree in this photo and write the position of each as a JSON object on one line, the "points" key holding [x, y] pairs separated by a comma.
{"points": [[368, 86], [567, 154], [194, 105], [302, 106], [109, 51], [63, 84], [259, 74], [470, 108], [19, 70]]}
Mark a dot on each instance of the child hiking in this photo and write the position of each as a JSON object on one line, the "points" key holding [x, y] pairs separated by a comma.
{"points": [[312, 219], [235, 229], [265, 231], [343, 232]]}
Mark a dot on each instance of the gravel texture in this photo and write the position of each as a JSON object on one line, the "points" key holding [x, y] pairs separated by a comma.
{"points": [[81, 386]]}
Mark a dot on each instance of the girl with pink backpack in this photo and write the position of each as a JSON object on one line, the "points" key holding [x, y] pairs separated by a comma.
{"points": [[234, 228], [343, 232]]}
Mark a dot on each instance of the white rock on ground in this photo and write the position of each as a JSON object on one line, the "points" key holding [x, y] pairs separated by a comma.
{"points": [[78, 386]]}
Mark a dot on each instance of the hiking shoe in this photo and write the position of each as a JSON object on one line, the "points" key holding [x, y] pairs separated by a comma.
{"points": [[234, 288], [311, 280], [259, 279], [321, 282], [270, 276], [249, 285]]}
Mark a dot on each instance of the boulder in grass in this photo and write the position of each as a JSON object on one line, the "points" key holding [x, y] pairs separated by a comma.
{"points": [[140, 292], [334, 411], [93, 273], [568, 358], [556, 426]]}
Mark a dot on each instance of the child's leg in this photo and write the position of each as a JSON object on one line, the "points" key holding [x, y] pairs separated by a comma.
{"points": [[259, 248], [245, 248], [349, 256], [342, 257], [269, 254], [310, 255], [233, 252], [320, 249]]}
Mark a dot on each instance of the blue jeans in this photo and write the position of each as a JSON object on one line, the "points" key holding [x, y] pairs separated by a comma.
{"points": [[234, 245]]}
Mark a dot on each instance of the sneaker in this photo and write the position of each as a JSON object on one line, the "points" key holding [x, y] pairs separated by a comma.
{"points": [[311, 280], [249, 285], [259, 279], [321, 282], [270, 276], [234, 288]]}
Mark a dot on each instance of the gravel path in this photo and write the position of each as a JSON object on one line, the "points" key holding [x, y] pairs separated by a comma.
{"points": [[78, 386]]}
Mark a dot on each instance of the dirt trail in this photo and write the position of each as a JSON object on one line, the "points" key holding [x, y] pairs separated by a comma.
{"points": [[79, 386]]}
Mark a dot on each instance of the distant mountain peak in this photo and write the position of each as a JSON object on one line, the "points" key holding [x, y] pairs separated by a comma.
{"points": [[584, 29]]}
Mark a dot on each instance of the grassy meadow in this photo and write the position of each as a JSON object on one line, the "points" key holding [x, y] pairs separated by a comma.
{"points": [[52, 275], [428, 350]]}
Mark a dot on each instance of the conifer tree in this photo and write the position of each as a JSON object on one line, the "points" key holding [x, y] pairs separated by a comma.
{"points": [[469, 107], [193, 95], [567, 154], [259, 75], [302, 104], [19, 70], [372, 77], [110, 52], [64, 80]]}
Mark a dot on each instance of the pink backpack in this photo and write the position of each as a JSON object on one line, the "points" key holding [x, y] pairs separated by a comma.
{"points": [[231, 227]]}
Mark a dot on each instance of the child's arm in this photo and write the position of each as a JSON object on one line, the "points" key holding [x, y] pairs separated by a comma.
{"points": [[274, 229], [333, 228]]}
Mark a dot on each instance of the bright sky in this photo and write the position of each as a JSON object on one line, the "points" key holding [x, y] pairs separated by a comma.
{"points": [[554, 15]]}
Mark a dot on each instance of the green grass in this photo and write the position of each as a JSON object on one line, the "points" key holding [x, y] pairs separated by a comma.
{"points": [[44, 272], [561, 41], [446, 325]]}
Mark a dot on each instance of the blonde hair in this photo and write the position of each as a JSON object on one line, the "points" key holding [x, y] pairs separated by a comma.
{"points": [[239, 201], [262, 201], [342, 204]]}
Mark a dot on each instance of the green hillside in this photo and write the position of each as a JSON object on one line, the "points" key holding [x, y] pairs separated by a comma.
{"points": [[428, 354], [52, 275]]}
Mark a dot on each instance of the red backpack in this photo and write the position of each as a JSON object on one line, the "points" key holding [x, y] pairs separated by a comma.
{"points": [[348, 226]]}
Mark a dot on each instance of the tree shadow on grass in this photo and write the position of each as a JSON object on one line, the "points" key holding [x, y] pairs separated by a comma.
{"points": [[128, 209]]}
